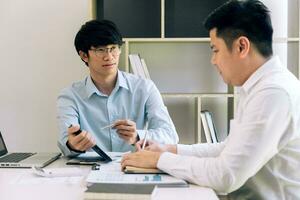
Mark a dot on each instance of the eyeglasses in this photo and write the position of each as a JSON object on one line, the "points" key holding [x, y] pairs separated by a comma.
{"points": [[102, 51]]}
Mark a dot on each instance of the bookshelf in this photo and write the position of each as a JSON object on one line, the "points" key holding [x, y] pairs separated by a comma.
{"points": [[178, 58]]}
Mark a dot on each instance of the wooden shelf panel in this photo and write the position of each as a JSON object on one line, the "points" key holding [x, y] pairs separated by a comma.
{"points": [[194, 95], [276, 40]]}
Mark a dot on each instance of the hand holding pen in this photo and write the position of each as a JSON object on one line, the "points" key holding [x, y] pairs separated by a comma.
{"points": [[82, 140], [126, 130], [151, 145], [145, 142]]}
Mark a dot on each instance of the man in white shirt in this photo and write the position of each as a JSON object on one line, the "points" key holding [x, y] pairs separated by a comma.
{"points": [[260, 159]]}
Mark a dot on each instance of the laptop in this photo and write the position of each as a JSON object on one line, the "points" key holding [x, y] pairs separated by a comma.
{"points": [[24, 160]]}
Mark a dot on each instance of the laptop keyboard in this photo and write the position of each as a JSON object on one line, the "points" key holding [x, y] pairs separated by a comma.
{"points": [[15, 157]]}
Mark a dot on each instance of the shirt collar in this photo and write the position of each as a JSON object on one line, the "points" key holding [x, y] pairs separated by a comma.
{"points": [[121, 81], [92, 89], [273, 64]]}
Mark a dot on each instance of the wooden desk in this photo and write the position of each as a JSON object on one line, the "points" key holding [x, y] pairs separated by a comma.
{"points": [[10, 190]]}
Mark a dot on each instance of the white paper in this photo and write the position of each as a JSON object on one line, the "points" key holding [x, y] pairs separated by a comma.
{"points": [[111, 173], [32, 179]]}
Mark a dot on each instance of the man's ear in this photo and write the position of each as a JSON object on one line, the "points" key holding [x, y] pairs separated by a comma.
{"points": [[83, 56], [243, 46]]}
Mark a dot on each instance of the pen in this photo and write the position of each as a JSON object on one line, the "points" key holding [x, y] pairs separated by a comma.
{"points": [[145, 140], [108, 126]]}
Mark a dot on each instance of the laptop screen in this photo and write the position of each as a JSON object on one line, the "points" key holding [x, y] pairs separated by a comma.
{"points": [[3, 149]]}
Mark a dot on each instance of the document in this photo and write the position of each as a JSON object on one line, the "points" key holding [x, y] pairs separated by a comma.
{"points": [[122, 178], [111, 173]]}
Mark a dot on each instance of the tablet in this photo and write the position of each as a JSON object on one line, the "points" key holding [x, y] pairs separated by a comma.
{"points": [[100, 152]]}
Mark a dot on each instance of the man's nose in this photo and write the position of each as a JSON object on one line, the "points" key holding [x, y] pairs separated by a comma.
{"points": [[213, 60], [108, 55]]}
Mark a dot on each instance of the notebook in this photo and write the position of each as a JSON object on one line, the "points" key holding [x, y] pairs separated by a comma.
{"points": [[140, 170], [24, 159]]}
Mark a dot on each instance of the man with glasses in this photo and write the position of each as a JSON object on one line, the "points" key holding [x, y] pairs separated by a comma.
{"points": [[111, 107]]}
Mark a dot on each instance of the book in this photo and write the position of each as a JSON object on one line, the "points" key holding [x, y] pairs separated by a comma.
{"points": [[118, 191], [138, 66], [205, 127], [147, 75], [140, 170], [209, 126], [133, 64]]}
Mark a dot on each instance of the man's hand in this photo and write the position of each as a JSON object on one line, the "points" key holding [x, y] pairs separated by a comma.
{"points": [[80, 142], [126, 130], [146, 159], [156, 147]]}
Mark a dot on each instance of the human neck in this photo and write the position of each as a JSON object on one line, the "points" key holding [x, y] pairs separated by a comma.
{"points": [[106, 83], [257, 62], [252, 64]]}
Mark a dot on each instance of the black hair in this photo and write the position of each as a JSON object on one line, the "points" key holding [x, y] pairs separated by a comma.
{"points": [[97, 33], [249, 18]]}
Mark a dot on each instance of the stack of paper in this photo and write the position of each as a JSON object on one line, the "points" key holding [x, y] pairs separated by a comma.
{"points": [[138, 66]]}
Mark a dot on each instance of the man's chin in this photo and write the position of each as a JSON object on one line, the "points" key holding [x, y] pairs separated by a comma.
{"points": [[109, 67]]}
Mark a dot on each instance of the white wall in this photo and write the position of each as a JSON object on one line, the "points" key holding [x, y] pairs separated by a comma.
{"points": [[38, 59], [279, 17]]}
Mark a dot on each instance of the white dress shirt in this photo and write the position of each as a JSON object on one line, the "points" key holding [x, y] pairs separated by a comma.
{"points": [[260, 159]]}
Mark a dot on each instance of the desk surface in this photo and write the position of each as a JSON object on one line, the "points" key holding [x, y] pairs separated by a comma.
{"points": [[12, 187]]}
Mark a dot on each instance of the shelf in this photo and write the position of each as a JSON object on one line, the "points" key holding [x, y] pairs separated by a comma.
{"points": [[180, 50], [284, 40], [293, 39], [166, 39], [204, 39], [200, 95]]}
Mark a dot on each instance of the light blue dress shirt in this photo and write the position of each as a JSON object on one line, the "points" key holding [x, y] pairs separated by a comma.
{"points": [[132, 98]]}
